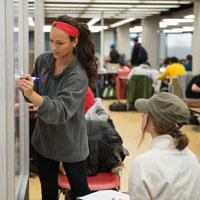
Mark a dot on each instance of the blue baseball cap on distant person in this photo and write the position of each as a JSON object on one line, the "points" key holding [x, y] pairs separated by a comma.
{"points": [[112, 46]]}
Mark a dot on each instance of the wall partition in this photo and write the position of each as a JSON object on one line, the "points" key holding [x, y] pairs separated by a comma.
{"points": [[14, 154]]}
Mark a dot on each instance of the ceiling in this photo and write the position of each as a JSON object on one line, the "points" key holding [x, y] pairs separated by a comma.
{"points": [[112, 10]]}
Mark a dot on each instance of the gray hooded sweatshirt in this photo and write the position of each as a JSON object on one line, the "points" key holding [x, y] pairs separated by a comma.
{"points": [[61, 133]]}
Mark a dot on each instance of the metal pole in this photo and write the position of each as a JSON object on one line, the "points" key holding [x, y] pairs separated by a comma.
{"points": [[102, 42]]}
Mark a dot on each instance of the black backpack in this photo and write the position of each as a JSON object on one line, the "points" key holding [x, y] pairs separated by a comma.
{"points": [[118, 106]]}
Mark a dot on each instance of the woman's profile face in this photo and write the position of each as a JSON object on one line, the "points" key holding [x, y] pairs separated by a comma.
{"points": [[60, 44]]}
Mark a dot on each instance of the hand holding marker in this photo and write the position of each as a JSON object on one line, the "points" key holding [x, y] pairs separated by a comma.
{"points": [[17, 77]]}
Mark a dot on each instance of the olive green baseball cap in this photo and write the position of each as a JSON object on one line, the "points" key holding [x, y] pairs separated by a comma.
{"points": [[167, 108]]}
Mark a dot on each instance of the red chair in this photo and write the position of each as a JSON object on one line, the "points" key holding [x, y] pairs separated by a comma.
{"points": [[101, 181]]}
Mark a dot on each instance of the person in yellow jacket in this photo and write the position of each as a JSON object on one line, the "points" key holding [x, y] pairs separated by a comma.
{"points": [[172, 70]]}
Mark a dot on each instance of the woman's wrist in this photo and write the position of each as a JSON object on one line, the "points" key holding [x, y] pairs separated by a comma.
{"points": [[36, 99]]}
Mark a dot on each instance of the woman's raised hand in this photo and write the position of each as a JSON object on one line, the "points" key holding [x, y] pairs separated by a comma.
{"points": [[26, 84]]}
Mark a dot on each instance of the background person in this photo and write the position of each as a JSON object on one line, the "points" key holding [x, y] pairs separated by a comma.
{"points": [[60, 133], [114, 55], [168, 170], [146, 70], [188, 63], [193, 88], [173, 69], [139, 54]]}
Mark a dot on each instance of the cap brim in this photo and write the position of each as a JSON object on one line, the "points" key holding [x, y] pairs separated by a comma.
{"points": [[142, 105]]}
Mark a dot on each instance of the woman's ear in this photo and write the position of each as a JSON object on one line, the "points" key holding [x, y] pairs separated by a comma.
{"points": [[75, 42]]}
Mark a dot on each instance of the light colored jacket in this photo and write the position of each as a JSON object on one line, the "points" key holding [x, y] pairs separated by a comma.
{"points": [[97, 112], [165, 173]]}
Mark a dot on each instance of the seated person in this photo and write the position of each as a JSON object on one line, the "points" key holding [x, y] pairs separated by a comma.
{"points": [[121, 80], [168, 170], [188, 63], [145, 69], [193, 88], [173, 69], [164, 64]]}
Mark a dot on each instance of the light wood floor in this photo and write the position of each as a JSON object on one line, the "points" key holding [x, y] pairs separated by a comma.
{"points": [[128, 125]]}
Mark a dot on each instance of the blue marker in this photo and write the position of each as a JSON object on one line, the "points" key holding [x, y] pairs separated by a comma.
{"points": [[17, 77], [35, 78]]}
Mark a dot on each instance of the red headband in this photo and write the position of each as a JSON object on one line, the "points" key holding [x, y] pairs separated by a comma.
{"points": [[67, 28]]}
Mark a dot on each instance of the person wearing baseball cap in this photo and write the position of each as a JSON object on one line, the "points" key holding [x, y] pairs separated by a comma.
{"points": [[168, 170]]}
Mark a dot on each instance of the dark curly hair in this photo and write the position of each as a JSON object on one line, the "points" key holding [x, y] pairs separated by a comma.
{"points": [[85, 47]]}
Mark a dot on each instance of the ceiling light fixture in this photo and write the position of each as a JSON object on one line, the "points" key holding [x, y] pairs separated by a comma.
{"points": [[125, 21], [93, 21]]}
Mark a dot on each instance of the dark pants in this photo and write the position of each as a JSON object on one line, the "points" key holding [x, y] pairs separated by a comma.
{"points": [[48, 174]]}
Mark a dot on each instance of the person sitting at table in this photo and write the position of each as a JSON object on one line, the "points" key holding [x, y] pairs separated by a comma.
{"points": [[188, 63], [121, 80], [169, 170], [193, 88], [173, 69], [145, 69]]}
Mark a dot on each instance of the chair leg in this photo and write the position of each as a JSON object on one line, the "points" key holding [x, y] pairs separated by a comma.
{"points": [[67, 195]]}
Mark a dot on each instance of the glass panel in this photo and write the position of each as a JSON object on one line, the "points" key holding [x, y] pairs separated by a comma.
{"points": [[179, 44], [17, 99]]}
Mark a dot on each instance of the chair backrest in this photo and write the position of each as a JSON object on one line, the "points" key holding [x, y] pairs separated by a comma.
{"points": [[184, 81], [139, 86], [179, 84], [175, 88]]}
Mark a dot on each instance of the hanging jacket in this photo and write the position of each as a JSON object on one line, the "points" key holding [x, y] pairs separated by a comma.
{"points": [[105, 147], [139, 86]]}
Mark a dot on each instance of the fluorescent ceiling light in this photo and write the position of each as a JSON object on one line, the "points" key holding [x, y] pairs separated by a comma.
{"points": [[168, 23], [83, 9], [189, 17], [162, 25], [16, 29], [136, 29], [188, 28], [125, 1], [93, 21], [110, 6], [167, 2], [31, 22], [95, 29], [47, 28], [179, 30], [147, 9], [67, 5], [155, 6], [178, 20], [97, 1], [125, 21], [173, 30]]}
